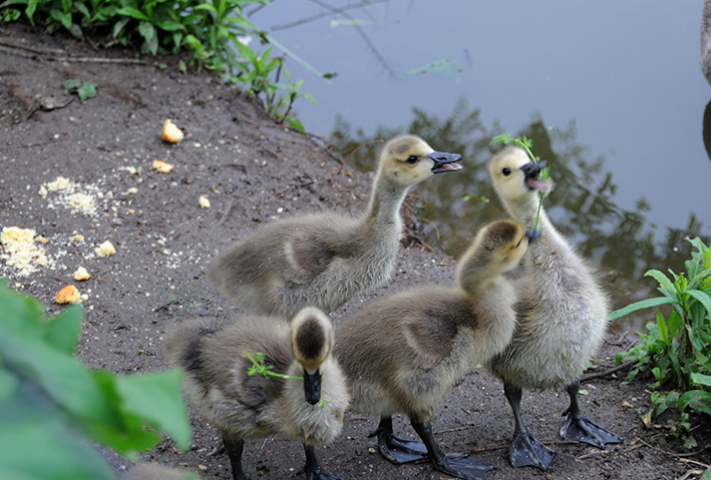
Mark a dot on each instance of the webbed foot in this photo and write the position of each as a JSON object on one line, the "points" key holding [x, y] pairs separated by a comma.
{"points": [[461, 466], [526, 451], [582, 429], [317, 474], [395, 449]]}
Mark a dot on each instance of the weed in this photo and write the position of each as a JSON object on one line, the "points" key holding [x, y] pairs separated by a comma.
{"points": [[258, 367], [85, 90], [676, 349]]}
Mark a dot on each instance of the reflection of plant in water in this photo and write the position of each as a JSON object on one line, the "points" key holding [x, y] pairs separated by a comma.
{"points": [[582, 207]]}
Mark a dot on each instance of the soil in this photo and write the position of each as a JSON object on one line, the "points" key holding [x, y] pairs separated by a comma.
{"points": [[253, 171]]}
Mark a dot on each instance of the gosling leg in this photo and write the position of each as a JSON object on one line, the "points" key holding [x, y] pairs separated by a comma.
{"points": [[395, 449], [580, 428], [525, 449], [313, 469], [234, 448], [459, 466]]}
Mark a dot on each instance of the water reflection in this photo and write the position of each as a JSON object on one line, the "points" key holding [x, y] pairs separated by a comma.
{"points": [[582, 206]]}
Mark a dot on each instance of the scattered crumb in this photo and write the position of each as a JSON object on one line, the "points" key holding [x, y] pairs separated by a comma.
{"points": [[81, 274], [132, 191], [105, 249], [162, 167], [77, 238], [78, 198], [42, 191], [21, 251], [204, 202], [68, 294], [171, 133], [131, 170]]}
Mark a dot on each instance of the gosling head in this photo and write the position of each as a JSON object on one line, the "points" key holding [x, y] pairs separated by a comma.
{"points": [[312, 341], [407, 160], [515, 175], [501, 244]]}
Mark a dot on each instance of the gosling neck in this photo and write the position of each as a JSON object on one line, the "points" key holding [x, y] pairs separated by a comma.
{"points": [[525, 211], [385, 201]]}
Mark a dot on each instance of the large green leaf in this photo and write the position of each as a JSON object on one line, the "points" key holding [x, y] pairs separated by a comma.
{"points": [[158, 398], [63, 330], [642, 304], [700, 379], [663, 280], [133, 12], [698, 400], [36, 443], [704, 299]]}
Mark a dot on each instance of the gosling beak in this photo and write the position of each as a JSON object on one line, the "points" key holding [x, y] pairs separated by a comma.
{"points": [[445, 162], [312, 387], [531, 170]]}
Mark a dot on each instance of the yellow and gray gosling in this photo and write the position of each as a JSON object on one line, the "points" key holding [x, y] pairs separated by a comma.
{"points": [[325, 259], [403, 353], [562, 315], [215, 356]]}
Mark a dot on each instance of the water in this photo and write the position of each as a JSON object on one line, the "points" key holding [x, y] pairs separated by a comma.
{"points": [[611, 93]]}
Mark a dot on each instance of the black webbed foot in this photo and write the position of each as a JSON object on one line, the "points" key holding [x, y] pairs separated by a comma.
{"points": [[582, 429], [461, 466], [395, 449], [312, 467], [526, 451]]}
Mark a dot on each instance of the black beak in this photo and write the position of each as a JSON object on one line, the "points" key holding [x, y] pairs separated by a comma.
{"points": [[532, 169], [312, 387], [445, 162]]}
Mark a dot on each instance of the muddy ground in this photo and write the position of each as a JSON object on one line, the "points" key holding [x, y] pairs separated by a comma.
{"points": [[253, 171]]}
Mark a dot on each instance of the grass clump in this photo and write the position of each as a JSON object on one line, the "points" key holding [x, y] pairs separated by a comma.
{"points": [[676, 349], [50, 402], [214, 32]]}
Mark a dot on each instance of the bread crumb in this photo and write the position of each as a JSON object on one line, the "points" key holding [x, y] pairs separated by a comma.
{"points": [[42, 191], [162, 167], [132, 191], [171, 133], [21, 251], [68, 294], [81, 274], [204, 202], [105, 249]]}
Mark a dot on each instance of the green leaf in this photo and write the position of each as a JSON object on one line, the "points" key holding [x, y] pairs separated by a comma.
{"points": [[82, 9], [296, 123], [673, 322], [665, 283], [134, 13], [704, 299], [148, 32], [118, 27], [30, 426], [698, 400], [63, 330], [157, 397], [662, 326], [642, 304], [206, 6], [86, 91], [71, 85], [31, 7], [701, 380]]}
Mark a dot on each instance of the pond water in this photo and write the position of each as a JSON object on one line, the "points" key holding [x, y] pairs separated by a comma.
{"points": [[610, 92]]}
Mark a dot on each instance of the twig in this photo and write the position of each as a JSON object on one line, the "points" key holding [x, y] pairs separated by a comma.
{"points": [[41, 51], [19, 50], [686, 460], [230, 202], [690, 473], [622, 366]]}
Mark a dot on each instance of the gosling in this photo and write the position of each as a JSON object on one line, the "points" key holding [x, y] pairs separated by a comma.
{"points": [[325, 259], [247, 404], [562, 315], [402, 354]]}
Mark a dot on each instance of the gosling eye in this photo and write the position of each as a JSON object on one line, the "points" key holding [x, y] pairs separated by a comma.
{"points": [[412, 159], [506, 172]]}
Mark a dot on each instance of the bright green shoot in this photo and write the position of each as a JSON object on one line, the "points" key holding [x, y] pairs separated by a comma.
{"points": [[258, 366], [526, 143]]}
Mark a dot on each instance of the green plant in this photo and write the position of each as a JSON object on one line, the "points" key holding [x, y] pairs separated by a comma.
{"points": [[85, 90], [676, 349], [527, 144], [49, 399], [258, 367]]}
